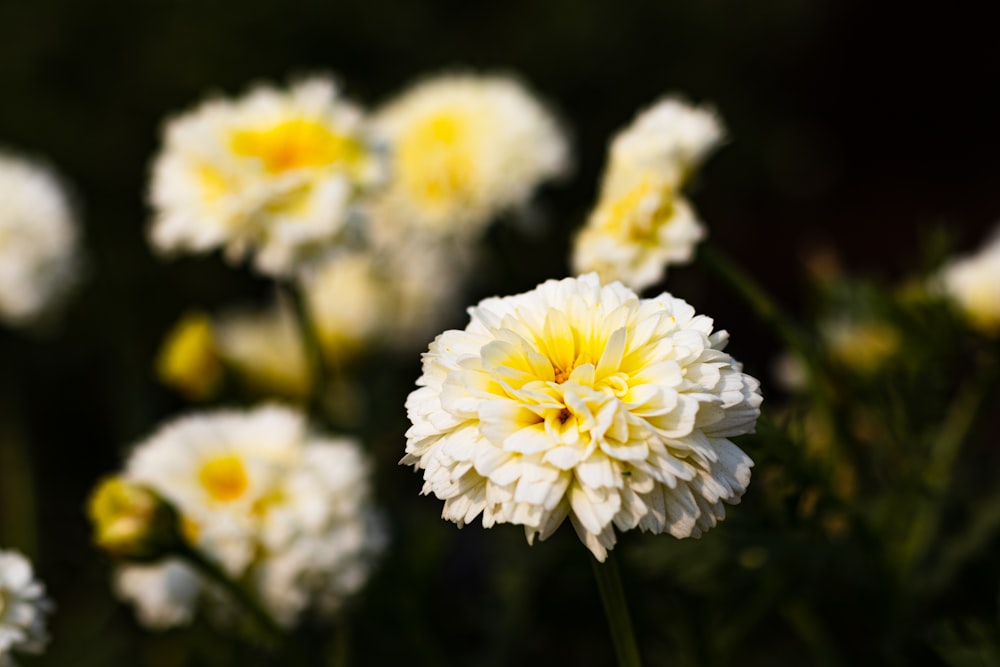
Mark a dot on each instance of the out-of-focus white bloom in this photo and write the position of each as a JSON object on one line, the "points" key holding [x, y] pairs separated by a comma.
{"points": [[23, 606], [274, 505], [38, 240], [347, 299], [973, 283], [583, 400], [464, 148], [670, 139], [265, 349], [273, 173], [641, 222], [164, 594]]}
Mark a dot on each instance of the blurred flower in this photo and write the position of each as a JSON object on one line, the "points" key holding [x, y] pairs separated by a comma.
{"points": [[189, 360], [862, 346], [464, 148], [641, 223], [973, 283], [583, 400], [347, 303], [23, 607], [132, 521], [38, 240], [275, 506], [265, 349], [273, 173]]}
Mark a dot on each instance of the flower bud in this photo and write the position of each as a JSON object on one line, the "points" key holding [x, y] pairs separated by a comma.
{"points": [[132, 521]]}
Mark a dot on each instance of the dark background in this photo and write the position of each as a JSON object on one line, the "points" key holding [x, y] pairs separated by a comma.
{"points": [[853, 125]]}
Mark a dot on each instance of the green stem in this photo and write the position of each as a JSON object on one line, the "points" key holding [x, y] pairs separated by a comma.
{"points": [[237, 593], [609, 585], [314, 353], [959, 422]]}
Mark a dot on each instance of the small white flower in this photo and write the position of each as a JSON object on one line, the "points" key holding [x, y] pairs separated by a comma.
{"points": [[973, 284], [273, 174], [38, 240], [277, 507], [582, 400], [641, 222], [23, 607], [464, 148]]}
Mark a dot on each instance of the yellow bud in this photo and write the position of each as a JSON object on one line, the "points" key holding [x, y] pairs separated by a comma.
{"points": [[188, 360], [132, 521]]}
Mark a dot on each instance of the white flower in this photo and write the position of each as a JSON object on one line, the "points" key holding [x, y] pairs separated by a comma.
{"points": [[285, 510], [641, 222], [165, 594], [23, 606], [464, 148], [973, 283], [273, 173], [583, 400], [38, 240]]}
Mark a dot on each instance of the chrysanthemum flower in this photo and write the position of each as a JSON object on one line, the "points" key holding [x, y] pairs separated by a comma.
{"points": [[23, 607], [641, 222], [582, 400], [464, 148], [255, 490], [273, 174], [973, 284], [38, 240]]}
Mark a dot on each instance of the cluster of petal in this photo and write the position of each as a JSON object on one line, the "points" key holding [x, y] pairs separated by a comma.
{"points": [[274, 505], [583, 400], [23, 607], [463, 149], [973, 284], [274, 174], [641, 222], [38, 240]]}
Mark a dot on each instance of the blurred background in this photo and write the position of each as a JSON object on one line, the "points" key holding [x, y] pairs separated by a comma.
{"points": [[857, 130]]}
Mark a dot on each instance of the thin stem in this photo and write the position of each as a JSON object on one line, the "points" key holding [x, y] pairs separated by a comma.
{"points": [[609, 585], [313, 350], [239, 595]]}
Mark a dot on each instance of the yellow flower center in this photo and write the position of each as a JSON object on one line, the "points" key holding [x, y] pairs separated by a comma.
{"points": [[434, 160], [224, 478], [641, 211], [294, 144]]}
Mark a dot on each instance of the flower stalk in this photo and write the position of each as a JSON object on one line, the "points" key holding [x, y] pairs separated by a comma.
{"points": [[609, 585]]}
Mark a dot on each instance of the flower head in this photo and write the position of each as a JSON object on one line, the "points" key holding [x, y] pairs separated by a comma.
{"points": [[23, 607], [580, 399], [272, 503], [38, 240], [973, 284], [132, 521], [464, 148], [274, 174], [641, 222]]}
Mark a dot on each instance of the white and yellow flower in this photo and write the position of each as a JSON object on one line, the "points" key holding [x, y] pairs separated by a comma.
{"points": [[273, 174], [464, 148], [39, 240], [276, 506], [973, 284], [23, 608], [582, 400], [641, 222]]}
